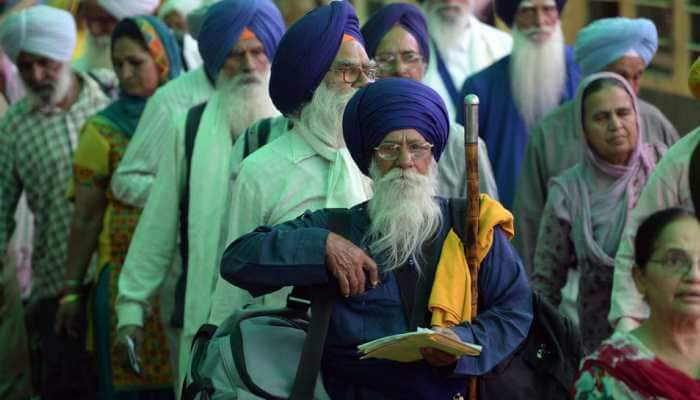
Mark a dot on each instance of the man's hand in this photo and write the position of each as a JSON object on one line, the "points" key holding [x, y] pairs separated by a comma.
{"points": [[350, 265], [438, 358], [68, 318], [121, 348]]}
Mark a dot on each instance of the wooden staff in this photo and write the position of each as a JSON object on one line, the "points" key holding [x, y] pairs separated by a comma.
{"points": [[471, 227]]}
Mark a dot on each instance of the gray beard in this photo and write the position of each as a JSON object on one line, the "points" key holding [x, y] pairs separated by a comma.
{"points": [[53, 92], [443, 33], [322, 117], [538, 75], [242, 102], [403, 215]]}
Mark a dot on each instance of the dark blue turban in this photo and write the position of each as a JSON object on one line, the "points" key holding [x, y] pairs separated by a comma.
{"points": [[407, 16], [224, 22], [391, 104], [306, 53], [506, 9]]}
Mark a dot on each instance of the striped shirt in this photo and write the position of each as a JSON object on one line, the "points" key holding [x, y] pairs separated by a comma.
{"points": [[36, 156]]}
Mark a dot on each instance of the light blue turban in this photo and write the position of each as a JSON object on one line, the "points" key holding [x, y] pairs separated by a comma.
{"points": [[606, 40]]}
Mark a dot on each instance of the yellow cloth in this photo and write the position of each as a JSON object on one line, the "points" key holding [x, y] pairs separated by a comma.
{"points": [[450, 298]]}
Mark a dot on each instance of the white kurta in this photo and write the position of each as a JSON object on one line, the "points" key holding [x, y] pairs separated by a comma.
{"points": [[277, 184], [482, 46], [132, 181], [452, 173], [667, 187], [154, 245]]}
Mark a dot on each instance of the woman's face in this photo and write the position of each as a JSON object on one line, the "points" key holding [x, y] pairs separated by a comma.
{"points": [[670, 282], [135, 68], [610, 124]]}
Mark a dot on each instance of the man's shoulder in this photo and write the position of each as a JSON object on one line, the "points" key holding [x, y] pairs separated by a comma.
{"points": [[493, 34], [493, 73], [191, 84], [270, 161]]}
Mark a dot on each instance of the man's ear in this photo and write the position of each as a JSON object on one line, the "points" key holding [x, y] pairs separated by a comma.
{"points": [[639, 280]]}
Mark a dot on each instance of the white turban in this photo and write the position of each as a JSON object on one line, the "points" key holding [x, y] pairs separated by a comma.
{"points": [[120, 9], [40, 30], [183, 7]]}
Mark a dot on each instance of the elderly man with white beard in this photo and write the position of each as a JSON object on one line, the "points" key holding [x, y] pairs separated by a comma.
{"points": [[38, 135], [521, 88], [101, 16], [396, 268], [239, 39], [461, 45], [320, 63]]}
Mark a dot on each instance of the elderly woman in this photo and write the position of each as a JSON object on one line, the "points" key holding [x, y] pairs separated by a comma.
{"points": [[145, 56], [587, 206], [661, 358]]}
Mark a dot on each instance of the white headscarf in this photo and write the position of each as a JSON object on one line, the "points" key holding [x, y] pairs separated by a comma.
{"points": [[40, 30], [183, 7], [120, 9]]}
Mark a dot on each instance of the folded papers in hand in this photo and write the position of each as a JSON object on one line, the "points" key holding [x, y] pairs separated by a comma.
{"points": [[405, 347]]}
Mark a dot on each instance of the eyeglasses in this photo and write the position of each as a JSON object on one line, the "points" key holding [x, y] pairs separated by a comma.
{"points": [[387, 63], [676, 261], [530, 13], [352, 73], [392, 151]]}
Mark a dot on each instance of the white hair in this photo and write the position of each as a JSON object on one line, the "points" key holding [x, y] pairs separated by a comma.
{"points": [[403, 214], [537, 72], [322, 117], [244, 99], [51, 93], [443, 31]]}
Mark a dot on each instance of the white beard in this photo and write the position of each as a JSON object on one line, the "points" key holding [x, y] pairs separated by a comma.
{"points": [[403, 214], [537, 74], [98, 51], [322, 117], [51, 93], [244, 99], [444, 32]]}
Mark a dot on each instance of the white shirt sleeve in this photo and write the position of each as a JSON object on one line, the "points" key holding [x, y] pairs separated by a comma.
{"points": [[134, 177], [154, 243]]}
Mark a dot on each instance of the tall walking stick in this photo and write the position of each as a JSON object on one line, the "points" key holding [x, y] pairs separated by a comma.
{"points": [[471, 227]]}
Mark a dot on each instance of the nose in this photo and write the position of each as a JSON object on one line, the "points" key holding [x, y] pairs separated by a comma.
{"points": [[247, 62], [614, 123], [540, 17], [38, 73], [402, 69], [126, 71], [362, 80], [405, 160]]}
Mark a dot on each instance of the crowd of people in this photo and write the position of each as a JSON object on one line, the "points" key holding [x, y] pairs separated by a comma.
{"points": [[164, 164]]}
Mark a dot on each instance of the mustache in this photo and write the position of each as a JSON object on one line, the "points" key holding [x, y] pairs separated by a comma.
{"points": [[535, 31]]}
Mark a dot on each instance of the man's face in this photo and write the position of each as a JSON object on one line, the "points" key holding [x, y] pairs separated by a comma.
{"points": [[537, 19], [449, 10], [405, 149], [39, 74], [398, 54], [99, 22], [247, 57], [631, 68], [351, 68]]}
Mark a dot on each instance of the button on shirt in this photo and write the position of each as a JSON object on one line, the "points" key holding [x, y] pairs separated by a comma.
{"points": [[36, 155]]}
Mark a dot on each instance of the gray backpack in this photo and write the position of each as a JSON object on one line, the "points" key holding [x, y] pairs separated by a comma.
{"points": [[263, 352]]}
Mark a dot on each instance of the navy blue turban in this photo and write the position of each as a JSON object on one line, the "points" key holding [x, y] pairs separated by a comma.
{"points": [[224, 22], [506, 9], [391, 104], [306, 53], [407, 16]]}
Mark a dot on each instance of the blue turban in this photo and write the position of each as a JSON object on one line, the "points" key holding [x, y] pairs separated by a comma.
{"points": [[407, 16], [307, 51], [506, 9], [224, 22], [391, 104], [606, 40]]}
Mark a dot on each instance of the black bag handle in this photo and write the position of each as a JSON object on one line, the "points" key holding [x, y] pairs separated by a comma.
{"points": [[694, 178]]}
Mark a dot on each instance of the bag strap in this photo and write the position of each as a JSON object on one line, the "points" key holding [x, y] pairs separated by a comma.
{"points": [[694, 178], [452, 89], [321, 308], [199, 347], [252, 141], [194, 116]]}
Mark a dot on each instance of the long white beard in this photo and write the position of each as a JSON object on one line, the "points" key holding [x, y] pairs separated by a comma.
{"points": [[98, 51], [244, 99], [51, 93], [445, 33], [403, 214], [538, 74], [322, 117]]}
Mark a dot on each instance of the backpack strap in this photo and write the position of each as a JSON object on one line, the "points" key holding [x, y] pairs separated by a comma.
{"points": [[255, 140], [194, 116], [694, 178], [199, 384], [339, 222]]}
